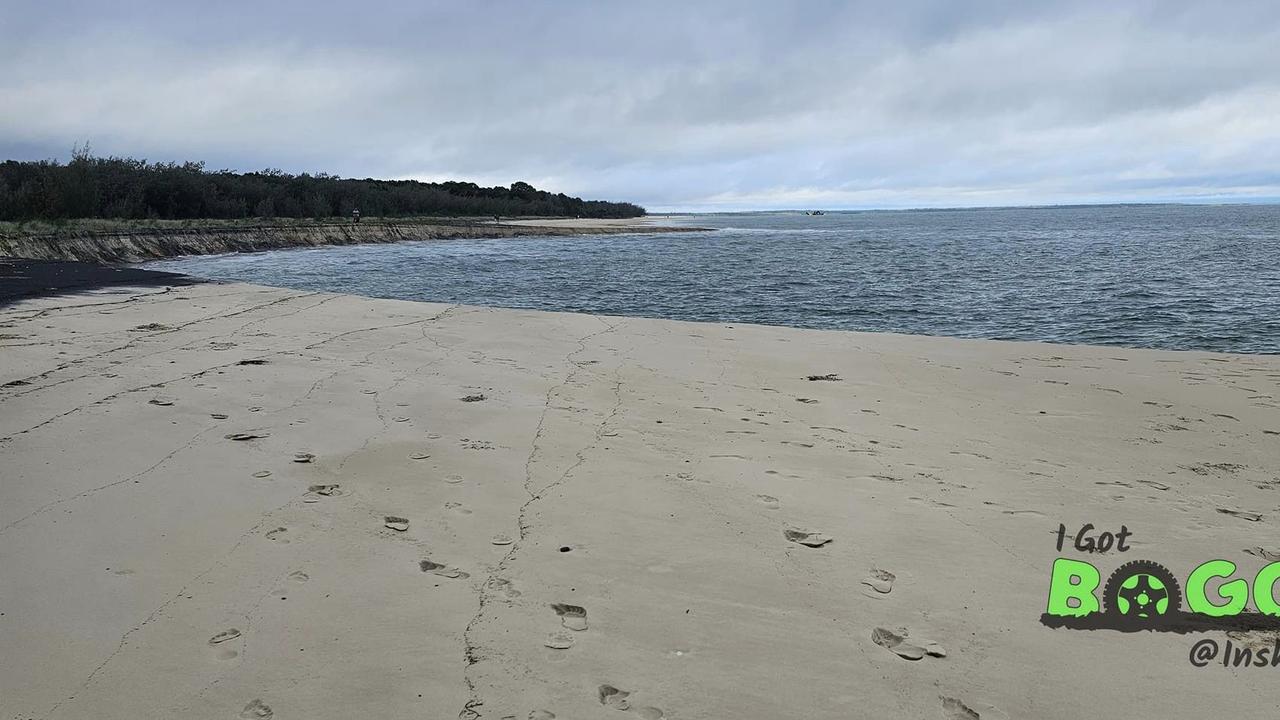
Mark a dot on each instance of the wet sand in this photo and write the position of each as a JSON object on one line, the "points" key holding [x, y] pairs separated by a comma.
{"points": [[26, 278], [223, 501]]}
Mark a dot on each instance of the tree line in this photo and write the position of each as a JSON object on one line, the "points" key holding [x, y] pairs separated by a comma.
{"points": [[118, 187]]}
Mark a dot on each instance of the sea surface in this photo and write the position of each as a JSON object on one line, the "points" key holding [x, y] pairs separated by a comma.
{"points": [[1156, 276]]}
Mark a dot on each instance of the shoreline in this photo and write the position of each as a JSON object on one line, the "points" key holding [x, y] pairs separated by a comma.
{"points": [[166, 552], [155, 243]]}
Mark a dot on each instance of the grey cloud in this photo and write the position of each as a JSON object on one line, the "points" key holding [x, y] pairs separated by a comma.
{"points": [[674, 105]]}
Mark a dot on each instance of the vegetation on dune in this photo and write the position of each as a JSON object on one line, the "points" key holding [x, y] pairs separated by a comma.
{"points": [[109, 226], [115, 187]]}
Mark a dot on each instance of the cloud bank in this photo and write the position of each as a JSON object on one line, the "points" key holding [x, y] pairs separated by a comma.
{"points": [[677, 106]]}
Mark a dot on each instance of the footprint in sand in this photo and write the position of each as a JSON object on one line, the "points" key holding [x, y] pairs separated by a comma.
{"points": [[315, 492], [769, 501], [1242, 514], [398, 524], [457, 507], [896, 643], [298, 576], [573, 617], [829, 427], [953, 709], [418, 456], [880, 580], [218, 416], [225, 635], [303, 457], [262, 474], [542, 715], [256, 710], [1255, 639], [559, 641], [401, 419], [453, 479], [161, 401], [278, 535], [806, 401], [502, 540], [242, 436], [1267, 555], [611, 696], [1212, 468], [435, 568], [503, 587], [806, 537], [1019, 512]]}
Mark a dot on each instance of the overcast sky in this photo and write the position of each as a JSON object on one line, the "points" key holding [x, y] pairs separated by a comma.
{"points": [[681, 105]]}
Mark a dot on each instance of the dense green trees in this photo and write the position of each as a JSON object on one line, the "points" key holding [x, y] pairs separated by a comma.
{"points": [[112, 187]]}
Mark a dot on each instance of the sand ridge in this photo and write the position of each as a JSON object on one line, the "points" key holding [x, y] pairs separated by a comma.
{"points": [[238, 501]]}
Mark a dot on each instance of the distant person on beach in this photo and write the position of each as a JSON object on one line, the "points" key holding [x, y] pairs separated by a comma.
{"points": [[355, 215]]}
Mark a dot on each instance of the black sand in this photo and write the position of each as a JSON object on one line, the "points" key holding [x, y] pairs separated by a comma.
{"points": [[34, 278]]}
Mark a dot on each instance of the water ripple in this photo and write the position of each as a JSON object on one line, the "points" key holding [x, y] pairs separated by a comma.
{"points": [[1173, 277]]}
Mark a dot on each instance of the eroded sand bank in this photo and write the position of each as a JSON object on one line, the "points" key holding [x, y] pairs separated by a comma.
{"points": [[150, 243], [497, 513]]}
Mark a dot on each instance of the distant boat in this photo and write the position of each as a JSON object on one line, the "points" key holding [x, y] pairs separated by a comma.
{"points": [[814, 212]]}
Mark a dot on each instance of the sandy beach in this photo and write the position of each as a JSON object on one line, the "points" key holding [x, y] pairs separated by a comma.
{"points": [[231, 501]]}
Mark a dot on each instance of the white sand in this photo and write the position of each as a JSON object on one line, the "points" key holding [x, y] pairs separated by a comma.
{"points": [[668, 458]]}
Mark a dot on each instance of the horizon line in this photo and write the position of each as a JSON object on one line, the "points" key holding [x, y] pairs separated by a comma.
{"points": [[951, 208]]}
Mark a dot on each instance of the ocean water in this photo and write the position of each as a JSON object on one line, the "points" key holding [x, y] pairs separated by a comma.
{"points": [[1173, 277]]}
